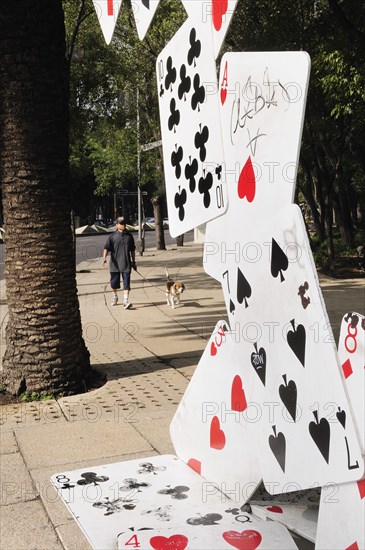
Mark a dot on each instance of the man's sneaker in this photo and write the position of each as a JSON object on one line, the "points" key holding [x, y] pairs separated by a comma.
{"points": [[115, 300], [127, 304]]}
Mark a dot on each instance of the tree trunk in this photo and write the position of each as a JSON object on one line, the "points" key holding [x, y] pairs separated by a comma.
{"points": [[45, 349], [159, 232]]}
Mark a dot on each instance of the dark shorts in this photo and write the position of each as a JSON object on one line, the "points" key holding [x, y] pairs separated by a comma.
{"points": [[115, 280]]}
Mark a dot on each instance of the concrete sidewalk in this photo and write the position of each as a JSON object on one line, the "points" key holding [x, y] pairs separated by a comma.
{"points": [[148, 354]]}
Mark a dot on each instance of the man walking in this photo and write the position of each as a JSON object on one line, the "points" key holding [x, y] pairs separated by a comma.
{"points": [[122, 251]]}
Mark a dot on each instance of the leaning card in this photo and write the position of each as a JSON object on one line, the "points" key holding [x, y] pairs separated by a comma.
{"points": [[143, 11], [215, 15], [310, 435], [341, 522], [351, 352], [190, 128], [213, 428], [262, 97]]}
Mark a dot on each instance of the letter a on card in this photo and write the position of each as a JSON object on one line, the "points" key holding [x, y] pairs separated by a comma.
{"points": [[107, 12]]}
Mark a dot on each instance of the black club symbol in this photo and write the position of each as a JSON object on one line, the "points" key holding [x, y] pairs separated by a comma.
{"points": [[198, 95], [91, 477], [180, 200], [174, 117], [176, 158], [195, 47], [191, 170], [209, 519], [200, 140], [218, 171], [205, 184], [177, 492], [185, 83], [171, 73]]}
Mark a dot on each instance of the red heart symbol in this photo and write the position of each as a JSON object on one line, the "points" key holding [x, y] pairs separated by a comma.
{"points": [[195, 465], [247, 182], [275, 509], [223, 95], [175, 542], [213, 349], [247, 540], [219, 8], [361, 486], [217, 437], [238, 398]]}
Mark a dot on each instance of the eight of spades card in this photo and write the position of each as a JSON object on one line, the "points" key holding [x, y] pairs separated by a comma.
{"points": [[211, 430], [262, 97], [215, 15], [191, 136], [341, 522], [306, 418], [254, 534]]}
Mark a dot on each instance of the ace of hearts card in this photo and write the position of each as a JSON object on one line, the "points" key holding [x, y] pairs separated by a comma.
{"points": [[262, 98]]}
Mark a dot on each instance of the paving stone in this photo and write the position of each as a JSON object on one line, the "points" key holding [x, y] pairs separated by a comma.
{"points": [[25, 526], [35, 413], [16, 483], [72, 537], [71, 442], [7, 442]]}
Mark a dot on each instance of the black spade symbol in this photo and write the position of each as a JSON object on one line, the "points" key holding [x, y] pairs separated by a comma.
{"points": [[288, 395], [278, 446], [296, 341], [258, 361], [320, 433], [243, 288]]}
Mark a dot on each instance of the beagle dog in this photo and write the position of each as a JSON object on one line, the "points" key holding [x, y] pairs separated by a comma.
{"points": [[173, 291]]}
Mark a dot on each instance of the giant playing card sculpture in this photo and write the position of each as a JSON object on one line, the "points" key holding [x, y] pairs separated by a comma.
{"points": [[267, 400]]}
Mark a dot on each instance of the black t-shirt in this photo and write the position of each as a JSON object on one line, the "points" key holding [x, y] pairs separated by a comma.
{"points": [[120, 245]]}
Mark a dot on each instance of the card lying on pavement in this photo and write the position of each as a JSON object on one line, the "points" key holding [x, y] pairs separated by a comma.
{"points": [[158, 498], [299, 519], [255, 534]]}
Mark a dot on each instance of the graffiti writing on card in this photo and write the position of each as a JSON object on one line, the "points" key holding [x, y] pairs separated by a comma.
{"points": [[251, 99]]}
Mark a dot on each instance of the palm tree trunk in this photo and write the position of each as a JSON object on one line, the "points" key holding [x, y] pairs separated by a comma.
{"points": [[45, 349]]}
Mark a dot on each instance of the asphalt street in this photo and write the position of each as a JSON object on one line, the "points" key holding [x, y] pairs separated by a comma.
{"points": [[91, 247]]}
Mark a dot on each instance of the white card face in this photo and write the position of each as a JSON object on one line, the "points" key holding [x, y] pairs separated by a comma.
{"points": [[254, 534], [262, 97], [144, 11], [190, 128], [215, 15], [107, 12], [154, 496], [341, 522], [276, 307], [299, 519], [351, 352], [212, 430]]}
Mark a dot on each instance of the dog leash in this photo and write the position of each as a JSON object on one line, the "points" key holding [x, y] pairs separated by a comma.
{"points": [[149, 282]]}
